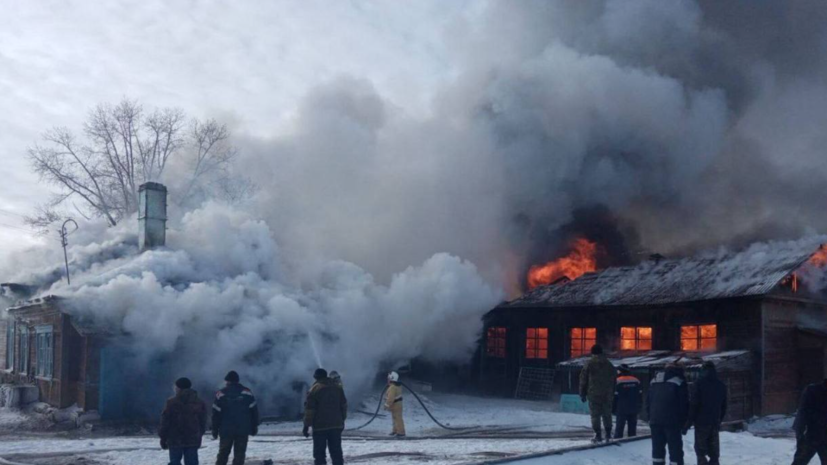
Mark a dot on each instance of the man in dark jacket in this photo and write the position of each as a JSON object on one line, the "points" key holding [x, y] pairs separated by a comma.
{"points": [[811, 425], [325, 412], [183, 423], [707, 408], [627, 401], [597, 385], [234, 419], [667, 407]]}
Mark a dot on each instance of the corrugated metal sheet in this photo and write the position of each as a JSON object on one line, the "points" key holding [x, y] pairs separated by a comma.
{"points": [[755, 271]]}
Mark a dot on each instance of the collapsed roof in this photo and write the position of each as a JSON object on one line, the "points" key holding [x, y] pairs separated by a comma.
{"points": [[753, 272]]}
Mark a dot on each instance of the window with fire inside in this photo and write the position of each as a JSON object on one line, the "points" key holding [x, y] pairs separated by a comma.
{"points": [[699, 338], [536, 343], [582, 341], [635, 338]]}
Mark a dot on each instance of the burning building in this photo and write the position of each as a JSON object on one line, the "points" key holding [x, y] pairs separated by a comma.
{"points": [[72, 360], [761, 314]]}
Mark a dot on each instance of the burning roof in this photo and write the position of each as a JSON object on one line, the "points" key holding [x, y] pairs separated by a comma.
{"points": [[755, 271]]}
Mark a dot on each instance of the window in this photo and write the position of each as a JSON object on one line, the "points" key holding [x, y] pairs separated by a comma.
{"points": [[44, 338], [635, 338], [23, 353], [536, 343], [9, 344], [582, 341], [699, 337], [495, 342]]}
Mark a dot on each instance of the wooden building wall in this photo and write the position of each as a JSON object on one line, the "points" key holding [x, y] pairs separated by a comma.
{"points": [[791, 358]]}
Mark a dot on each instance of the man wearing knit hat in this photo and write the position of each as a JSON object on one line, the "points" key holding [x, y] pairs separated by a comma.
{"points": [[325, 412], [183, 423], [234, 419]]}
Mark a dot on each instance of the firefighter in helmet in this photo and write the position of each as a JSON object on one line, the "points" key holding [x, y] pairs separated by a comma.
{"points": [[393, 403]]}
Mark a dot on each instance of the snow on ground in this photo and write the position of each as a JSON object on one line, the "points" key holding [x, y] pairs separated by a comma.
{"points": [[736, 449], [502, 428]]}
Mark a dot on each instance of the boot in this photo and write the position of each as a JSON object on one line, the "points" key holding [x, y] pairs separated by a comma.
{"points": [[608, 434], [597, 439]]}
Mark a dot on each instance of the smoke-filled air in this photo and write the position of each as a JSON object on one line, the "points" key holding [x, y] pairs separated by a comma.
{"points": [[379, 234]]}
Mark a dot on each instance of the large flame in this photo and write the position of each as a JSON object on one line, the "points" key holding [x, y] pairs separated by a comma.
{"points": [[819, 259], [581, 260]]}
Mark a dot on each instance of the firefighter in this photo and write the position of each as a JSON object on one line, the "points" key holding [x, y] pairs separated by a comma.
{"points": [[707, 408], [627, 402], [393, 403], [325, 412], [811, 425], [667, 407], [597, 386]]}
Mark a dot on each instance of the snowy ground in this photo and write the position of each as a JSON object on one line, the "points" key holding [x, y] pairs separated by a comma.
{"points": [[736, 449], [497, 428]]}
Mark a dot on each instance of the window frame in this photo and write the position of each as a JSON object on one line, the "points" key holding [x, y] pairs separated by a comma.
{"points": [[23, 349], [583, 350], [637, 339], [10, 345], [698, 338], [538, 352], [500, 340], [45, 351]]}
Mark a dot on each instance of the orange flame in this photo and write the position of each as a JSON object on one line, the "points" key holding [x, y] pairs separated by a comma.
{"points": [[819, 258], [581, 260]]}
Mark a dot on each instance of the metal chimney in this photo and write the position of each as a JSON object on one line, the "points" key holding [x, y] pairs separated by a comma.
{"points": [[152, 215]]}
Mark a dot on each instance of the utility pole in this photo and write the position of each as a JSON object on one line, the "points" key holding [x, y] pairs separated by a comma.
{"points": [[64, 241]]}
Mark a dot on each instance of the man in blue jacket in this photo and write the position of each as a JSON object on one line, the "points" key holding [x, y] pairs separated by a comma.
{"points": [[234, 419], [668, 408]]}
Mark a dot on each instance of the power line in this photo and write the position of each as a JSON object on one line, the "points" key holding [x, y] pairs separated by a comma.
{"points": [[11, 213], [19, 228]]}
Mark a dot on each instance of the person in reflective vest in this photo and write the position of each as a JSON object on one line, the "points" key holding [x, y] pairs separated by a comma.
{"points": [[393, 403]]}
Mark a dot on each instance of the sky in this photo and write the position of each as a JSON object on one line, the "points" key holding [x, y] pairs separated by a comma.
{"points": [[246, 63]]}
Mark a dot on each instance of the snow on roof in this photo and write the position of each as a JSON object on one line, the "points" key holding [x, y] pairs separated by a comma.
{"points": [[661, 358], [752, 272]]}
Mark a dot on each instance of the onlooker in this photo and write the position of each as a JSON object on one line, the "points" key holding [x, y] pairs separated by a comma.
{"points": [[707, 408], [811, 425], [234, 419], [627, 402], [667, 407], [325, 412], [597, 386], [183, 423]]}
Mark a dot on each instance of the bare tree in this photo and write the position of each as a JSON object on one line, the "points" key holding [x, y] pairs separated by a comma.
{"points": [[123, 148]]}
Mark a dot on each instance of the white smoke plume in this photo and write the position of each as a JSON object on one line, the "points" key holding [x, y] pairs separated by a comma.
{"points": [[220, 297]]}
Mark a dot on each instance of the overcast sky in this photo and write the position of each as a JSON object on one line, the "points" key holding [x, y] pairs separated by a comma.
{"points": [[244, 62]]}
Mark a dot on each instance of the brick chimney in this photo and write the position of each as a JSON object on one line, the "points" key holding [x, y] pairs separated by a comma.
{"points": [[152, 216]]}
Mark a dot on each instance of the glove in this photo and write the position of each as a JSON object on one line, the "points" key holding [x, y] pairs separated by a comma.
{"points": [[306, 431], [685, 431], [164, 445], [583, 399], [214, 435]]}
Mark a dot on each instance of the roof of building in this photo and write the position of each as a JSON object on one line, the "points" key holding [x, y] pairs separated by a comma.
{"points": [[753, 272], [658, 359]]}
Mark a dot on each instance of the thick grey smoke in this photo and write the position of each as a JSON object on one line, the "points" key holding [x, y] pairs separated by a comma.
{"points": [[695, 123]]}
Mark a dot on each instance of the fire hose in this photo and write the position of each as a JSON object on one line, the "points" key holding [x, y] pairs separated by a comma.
{"points": [[379, 406]]}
